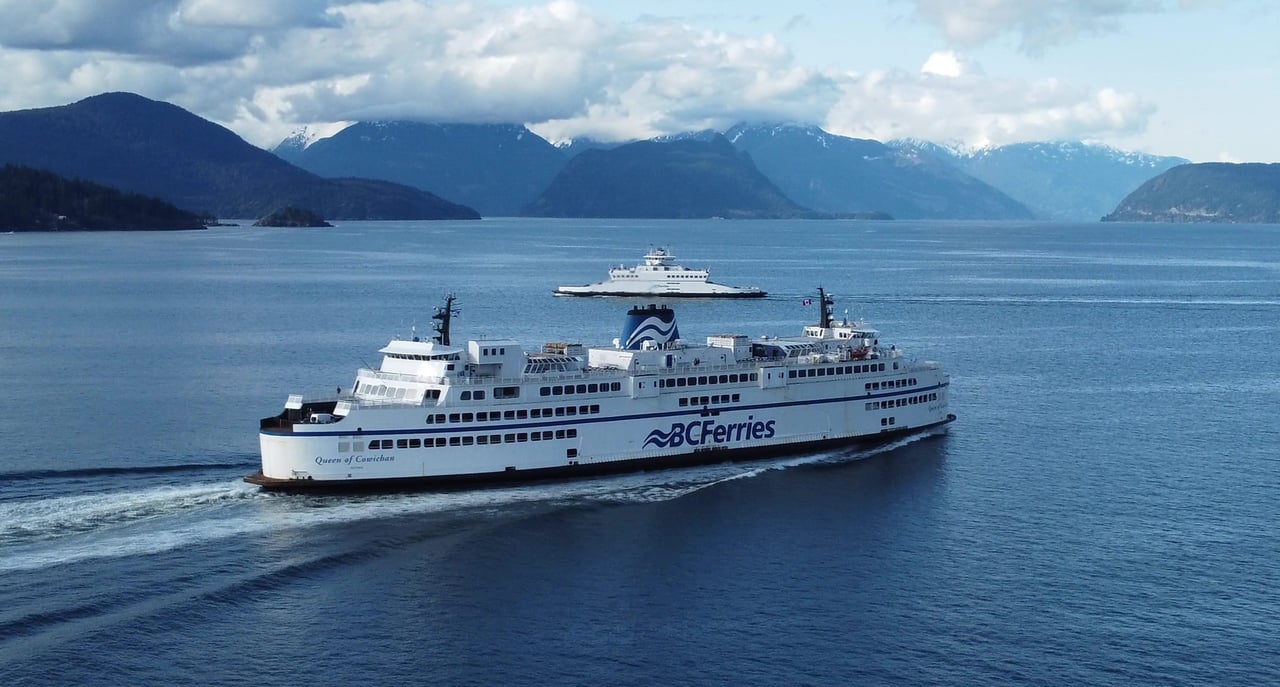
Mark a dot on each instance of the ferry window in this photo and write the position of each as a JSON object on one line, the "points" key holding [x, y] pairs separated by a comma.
{"points": [[594, 408], [509, 438], [502, 351], [582, 388], [684, 402], [482, 439], [455, 441], [880, 366], [522, 415], [479, 395], [884, 422], [735, 398], [693, 381], [357, 446], [344, 446], [415, 443], [583, 410], [544, 391], [559, 433], [891, 420], [454, 417], [467, 441], [522, 437], [449, 366], [557, 391], [733, 378], [895, 366], [571, 453], [572, 433], [571, 410], [466, 395], [433, 393], [535, 436], [680, 381], [702, 380], [402, 443], [466, 417], [616, 386], [439, 441], [495, 438], [546, 435], [754, 376], [592, 388], [509, 415], [559, 412], [506, 392]]}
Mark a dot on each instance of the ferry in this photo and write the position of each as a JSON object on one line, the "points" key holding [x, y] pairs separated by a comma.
{"points": [[660, 276], [437, 413]]}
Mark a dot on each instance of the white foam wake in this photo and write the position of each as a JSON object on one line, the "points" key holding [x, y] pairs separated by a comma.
{"points": [[62, 530]]}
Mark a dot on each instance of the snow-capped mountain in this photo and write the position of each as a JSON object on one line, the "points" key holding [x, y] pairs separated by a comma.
{"points": [[1059, 180], [838, 174]]}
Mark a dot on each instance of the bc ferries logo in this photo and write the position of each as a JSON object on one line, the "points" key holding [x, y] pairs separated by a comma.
{"points": [[703, 432], [651, 328]]}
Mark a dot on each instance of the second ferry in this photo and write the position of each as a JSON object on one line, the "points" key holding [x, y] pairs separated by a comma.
{"points": [[660, 276], [435, 412]]}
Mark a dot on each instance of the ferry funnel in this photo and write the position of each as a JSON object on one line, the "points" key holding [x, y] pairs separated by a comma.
{"points": [[655, 323]]}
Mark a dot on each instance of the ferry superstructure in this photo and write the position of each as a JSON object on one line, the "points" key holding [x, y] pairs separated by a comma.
{"points": [[487, 410], [660, 276]]}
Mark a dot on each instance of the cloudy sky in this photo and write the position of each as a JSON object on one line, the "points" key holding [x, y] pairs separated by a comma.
{"points": [[1196, 78]]}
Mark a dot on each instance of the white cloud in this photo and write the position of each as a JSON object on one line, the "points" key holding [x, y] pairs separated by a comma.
{"points": [[1038, 24], [975, 111], [265, 67]]}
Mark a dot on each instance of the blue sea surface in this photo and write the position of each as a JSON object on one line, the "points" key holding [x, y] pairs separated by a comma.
{"points": [[1104, 511]]}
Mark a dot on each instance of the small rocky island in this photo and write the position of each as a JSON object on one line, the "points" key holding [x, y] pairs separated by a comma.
{"points": [[292, 217]]}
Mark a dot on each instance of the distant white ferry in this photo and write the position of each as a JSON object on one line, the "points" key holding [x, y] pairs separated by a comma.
{"points": [[487, 411], [660, 276]]}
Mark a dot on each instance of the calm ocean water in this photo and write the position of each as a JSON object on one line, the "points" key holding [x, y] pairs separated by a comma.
{"points": [[1105, 511]]}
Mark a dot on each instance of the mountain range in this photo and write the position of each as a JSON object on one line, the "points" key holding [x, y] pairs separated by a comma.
{"points": [[406, 170], [838, 174], [153, 148], [1058, 180]]}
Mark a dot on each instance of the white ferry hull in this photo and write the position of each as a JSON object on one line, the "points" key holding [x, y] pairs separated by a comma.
{"points": [[435, 413], [653, 433]]}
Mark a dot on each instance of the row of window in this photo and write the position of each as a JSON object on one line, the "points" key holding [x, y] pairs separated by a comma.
{"points": [[522, 414], [707, 379], [478, 394], [840, 370], [579, 389], [708, 400], [415, 356], [891, 384], [476, 440], [896, 403]]}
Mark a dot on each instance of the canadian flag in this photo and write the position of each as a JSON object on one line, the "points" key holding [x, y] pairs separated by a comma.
{"points": [[806, 301]]}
